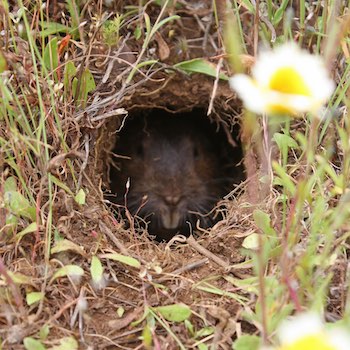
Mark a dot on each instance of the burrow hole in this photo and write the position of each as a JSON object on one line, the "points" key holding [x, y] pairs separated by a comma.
{"points": [[171, 169]]}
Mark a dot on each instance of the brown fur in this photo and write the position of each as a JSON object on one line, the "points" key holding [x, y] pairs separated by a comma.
{"points": [[175, 170]]}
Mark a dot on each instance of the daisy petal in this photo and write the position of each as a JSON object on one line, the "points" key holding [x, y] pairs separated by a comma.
{"points": [[287, 80]]}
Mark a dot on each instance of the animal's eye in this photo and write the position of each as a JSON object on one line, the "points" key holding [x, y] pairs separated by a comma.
{"points": [[195, 152], [140, 150]]}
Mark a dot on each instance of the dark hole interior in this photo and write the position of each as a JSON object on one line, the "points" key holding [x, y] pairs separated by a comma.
{"points": [[177, 166]]}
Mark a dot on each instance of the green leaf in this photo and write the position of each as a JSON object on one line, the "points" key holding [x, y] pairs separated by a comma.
{"points": [[204, 286], [89, 81], [57, 236], [200, 65], [19, 205], [146, 313], [80, 197], [284, 141], [3, 63], [50, 28], [96, 270], [19, 278], [329, 169], [68, 270], [50, 56], [263, 221], [189, 326], [111, 29], [280, 12], [33, 227], [11, 221], [249, 6], [283, 178], [137, 33], [10, 184], [127, 260], [120, 311], [87, 85], [247, 342], [65, 245], [33, 344], [44, 332], [251, 242], [204, 332], [59, 183], [164, 21], [34, 297], [147, 336], [147, 24], [175, 312], [250, 285], [146, 63], [140, 65], [69, 73], [74, 12], [67, 343]]}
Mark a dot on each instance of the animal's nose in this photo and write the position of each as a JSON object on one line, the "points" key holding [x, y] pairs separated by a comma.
{"points": [[172, 200]]}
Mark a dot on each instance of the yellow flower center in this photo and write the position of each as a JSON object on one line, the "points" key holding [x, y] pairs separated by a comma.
{"points": [[280, 109], [310, 342], [287, 80]]}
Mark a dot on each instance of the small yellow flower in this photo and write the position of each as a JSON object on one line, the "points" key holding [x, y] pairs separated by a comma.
{"points": [[287, 80], [311, 342], [308, 332]]}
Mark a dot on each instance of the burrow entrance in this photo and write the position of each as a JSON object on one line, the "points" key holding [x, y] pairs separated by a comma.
{"points": [[171, 165]]}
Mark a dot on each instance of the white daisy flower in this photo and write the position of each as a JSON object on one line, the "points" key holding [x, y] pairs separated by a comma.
{"points": [[287, 80], [308, 332]]}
